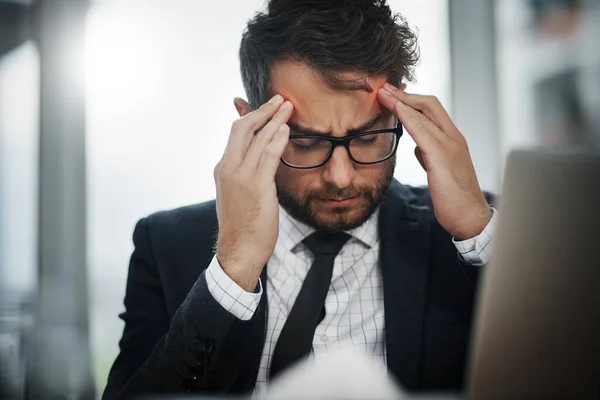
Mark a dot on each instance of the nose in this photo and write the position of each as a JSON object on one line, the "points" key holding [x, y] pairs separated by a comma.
{"points": [[339, 170]]}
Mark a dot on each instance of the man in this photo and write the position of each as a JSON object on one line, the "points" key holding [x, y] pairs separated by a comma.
{"points": [[311, 244]]}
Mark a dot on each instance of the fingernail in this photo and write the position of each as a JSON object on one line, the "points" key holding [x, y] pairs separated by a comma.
{"points": [[390, 87], [286, 105], [276, 99]]}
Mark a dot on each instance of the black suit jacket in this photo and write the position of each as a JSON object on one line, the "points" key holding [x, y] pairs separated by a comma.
{"points": [[178, 338]]}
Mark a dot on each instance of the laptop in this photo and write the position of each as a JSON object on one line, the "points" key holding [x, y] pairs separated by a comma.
{"points": [[537, 329]]}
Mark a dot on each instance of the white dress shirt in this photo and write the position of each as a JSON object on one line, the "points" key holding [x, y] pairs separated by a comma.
{"points": [[354, 304]]}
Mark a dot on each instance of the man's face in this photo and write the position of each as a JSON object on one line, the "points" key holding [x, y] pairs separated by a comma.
{"points": [[339, 195]]}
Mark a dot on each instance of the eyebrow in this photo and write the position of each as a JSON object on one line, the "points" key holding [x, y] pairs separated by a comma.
{"points": [[303, 130]]}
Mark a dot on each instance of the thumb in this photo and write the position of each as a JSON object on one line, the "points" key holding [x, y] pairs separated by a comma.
{"points": [[419, 155]]}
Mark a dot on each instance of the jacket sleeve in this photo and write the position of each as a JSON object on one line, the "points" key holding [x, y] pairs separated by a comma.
{"points": [[198, 350]]}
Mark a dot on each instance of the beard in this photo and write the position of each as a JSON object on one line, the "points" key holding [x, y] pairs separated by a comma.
{"points": [[301, 207]]}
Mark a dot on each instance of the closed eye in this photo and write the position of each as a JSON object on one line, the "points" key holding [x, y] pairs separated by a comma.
{"points": [[308, 144], [365, 140]]}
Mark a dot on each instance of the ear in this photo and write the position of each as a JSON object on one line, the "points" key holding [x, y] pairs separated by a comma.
{"points": [[403, 86], [241, 106]]}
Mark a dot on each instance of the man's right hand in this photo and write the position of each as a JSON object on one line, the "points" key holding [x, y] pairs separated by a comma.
{"points": [[247, 205]]}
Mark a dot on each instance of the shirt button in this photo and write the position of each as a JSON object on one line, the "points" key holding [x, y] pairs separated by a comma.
{"points": [[324, 338]]}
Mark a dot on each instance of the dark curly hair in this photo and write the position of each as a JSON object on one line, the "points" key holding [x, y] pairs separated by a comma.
{"points": [[330, 36]]}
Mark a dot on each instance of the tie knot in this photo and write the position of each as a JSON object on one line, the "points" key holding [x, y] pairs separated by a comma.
{"points": [[326, 243]]}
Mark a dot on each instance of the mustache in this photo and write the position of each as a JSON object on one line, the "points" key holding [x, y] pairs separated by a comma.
{"points": [[331, 193]]}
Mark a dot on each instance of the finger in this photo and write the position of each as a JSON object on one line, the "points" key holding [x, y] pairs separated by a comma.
{"points": [[242, 131], [419, 155], [428, 105], [265, 135], [258, 118], [271, 156], [242, 106], [424, 132]]}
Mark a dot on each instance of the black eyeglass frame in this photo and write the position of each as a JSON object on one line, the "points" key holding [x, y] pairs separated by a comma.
{"points": [[345, 141]]}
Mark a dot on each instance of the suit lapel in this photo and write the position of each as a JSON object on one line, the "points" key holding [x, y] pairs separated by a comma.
{"points": [[404, 258]]}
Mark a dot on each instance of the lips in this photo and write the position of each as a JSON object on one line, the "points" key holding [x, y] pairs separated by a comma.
{"points": [[339, 201]]}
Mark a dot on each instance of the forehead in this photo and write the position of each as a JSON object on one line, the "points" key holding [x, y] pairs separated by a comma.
{"points": [[318, 106]]}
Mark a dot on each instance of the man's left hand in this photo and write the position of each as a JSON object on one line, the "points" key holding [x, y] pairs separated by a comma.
{"points": [[442, 150]]}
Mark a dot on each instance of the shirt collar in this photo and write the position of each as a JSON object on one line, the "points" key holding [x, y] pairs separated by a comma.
{"points": [[293, 232]]}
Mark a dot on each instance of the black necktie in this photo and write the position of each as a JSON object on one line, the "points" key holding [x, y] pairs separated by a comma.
{"points": [[298, 331]]}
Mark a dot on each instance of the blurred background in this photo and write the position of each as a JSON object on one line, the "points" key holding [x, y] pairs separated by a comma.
{"points": [[111, 110]]}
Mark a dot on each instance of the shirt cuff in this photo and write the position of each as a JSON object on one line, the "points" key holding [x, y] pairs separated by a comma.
{"points": [[229, 294], [477, 250]]}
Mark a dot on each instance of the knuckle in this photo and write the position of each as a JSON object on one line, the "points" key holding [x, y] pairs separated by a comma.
{"points": [[460, 146], [255, 122], [421, 117], [224, 171], [419, 125], [271, 152], [260, 138], [265, 110], [432, 100], [465, 144], [431, 103], [237, 124], [265, 107]]}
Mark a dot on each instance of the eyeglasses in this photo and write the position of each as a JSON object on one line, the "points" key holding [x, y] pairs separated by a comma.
{"points": [[312, 151]]}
